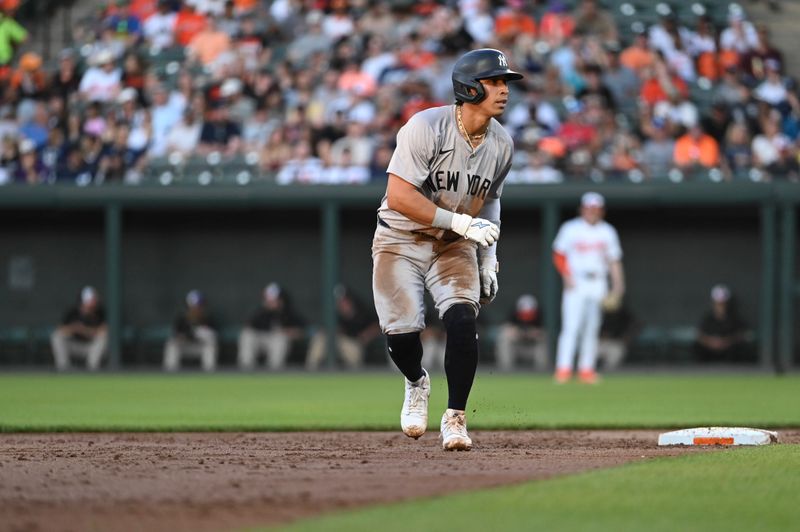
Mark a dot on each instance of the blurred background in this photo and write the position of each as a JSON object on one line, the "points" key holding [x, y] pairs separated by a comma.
{"points": [[170, 167]]}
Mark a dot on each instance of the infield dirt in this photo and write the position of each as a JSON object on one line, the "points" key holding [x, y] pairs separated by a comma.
{"points": [[224, 481]]}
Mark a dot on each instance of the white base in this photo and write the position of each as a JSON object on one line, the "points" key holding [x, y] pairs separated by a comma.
{"points": [[718, 436]]}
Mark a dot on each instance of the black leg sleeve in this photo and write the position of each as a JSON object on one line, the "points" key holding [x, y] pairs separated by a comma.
{"points": [[461, 354], [406, 352]]}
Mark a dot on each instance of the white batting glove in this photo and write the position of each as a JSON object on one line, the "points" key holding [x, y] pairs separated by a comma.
{"points": [[478, 230], [488, 273]]}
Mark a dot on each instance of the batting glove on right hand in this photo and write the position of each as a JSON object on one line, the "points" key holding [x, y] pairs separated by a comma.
{"points": [[484, 232]]}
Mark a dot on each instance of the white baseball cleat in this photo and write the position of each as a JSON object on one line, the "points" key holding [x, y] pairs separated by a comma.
{"points": [[414, 415], [454, 431]]}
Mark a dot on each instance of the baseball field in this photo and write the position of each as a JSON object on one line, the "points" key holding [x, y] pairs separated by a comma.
{"points": [[323, 452]]}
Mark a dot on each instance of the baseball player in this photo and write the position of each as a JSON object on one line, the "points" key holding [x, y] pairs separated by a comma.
{"points": [[438, 225], [585, 251]]}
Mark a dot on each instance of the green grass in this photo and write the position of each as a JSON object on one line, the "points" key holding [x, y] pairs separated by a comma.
{"points": [[730, 490], [230, 402]]}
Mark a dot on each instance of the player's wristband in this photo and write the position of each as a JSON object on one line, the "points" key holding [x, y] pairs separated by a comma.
{"points": [[443, 219]]}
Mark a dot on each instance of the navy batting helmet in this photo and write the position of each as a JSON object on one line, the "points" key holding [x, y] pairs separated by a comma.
{"points": [[480, 64]]}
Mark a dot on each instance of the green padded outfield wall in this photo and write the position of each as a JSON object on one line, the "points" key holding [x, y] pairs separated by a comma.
{"points": [[672, 257]]}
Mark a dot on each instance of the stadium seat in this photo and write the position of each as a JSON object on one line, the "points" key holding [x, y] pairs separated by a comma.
{"points": [[650, 345], [15, 345], [680, 341]]}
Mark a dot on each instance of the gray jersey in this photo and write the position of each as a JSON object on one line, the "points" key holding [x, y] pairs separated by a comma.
{"points": [[432, 155]]}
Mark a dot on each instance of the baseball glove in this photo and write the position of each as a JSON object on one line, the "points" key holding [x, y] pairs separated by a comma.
{"points": [[612, 302]]}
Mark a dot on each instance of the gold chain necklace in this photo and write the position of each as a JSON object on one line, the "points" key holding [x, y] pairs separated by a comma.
{"points": [[464, 130]]}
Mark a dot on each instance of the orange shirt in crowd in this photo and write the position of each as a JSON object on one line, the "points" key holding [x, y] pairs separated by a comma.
{"points": [[556, 25], [208, 45], [690, 151], [187, 25], [245, 5], [142, 9], [652, 92], [511, 24], [357, 82], [416, 59], [636, 58]]}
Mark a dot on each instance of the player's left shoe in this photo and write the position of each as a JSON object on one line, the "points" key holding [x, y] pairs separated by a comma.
{"points": [[454, 431], [414, 415], [588, 376]]}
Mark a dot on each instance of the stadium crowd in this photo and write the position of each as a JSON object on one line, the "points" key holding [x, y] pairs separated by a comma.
{"points": [[314, 91]]}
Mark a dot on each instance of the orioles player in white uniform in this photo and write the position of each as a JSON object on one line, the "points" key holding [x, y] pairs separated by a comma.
{"points": [[586, 250], [437, 230]]}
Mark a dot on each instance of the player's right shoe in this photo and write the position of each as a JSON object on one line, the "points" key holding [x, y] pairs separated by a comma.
{"points": [[454, 431], [588, 376], [562, 376], [414, 415]]}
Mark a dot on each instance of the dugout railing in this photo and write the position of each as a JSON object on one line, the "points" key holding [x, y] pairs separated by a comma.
{"points": [[776, 204]]}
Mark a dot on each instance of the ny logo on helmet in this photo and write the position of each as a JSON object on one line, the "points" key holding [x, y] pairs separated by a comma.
{"points": [[502, 59]]}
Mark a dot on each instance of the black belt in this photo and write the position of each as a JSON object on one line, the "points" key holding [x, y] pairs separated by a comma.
{"points": [[590, 275], [384, 224]]}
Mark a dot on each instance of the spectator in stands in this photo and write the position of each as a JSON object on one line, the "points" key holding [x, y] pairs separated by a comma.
{"points": [[594, 86], [773, 151], [184, 136], [312, 40], [622, 82], [357, 142], [338, 23], [159, 28], [270, 330], [696, 149], [638, 56], [658, 150], [522, 336], [303, 168], [721, 333], [716, 121], [512, 21], [677, 110], [166, 112], [82, 332], [30, 171], [659, 83], [593, 20], [357, 328], [193, 336], [478, 21], [219, 132], [188, 23], [208, 45], [29, 80], [36, 129], [125, 24], [101, 82], [229, 22], [210, 8], [737, 153], [556, 25], [12, 34], [772, 90], [66, 81], [740, 35], [730, 90], [754, 63]]}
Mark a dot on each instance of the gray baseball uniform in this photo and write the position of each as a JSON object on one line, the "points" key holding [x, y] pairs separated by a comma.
{"points": [[409, 257]]}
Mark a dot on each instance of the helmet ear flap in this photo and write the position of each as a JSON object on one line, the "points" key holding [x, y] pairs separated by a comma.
{"points": [[462, 92]]}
